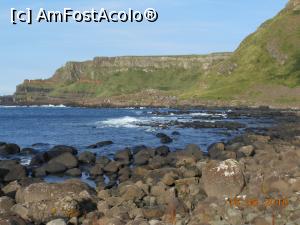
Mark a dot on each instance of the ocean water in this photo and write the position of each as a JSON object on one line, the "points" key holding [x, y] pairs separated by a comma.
{"points": [[43, 127]]}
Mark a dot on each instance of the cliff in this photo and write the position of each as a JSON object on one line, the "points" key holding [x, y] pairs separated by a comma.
{"points": [[265, 69]]}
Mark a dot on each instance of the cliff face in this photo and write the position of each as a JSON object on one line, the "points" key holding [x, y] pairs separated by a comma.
{"points": [[106, 78], [265, 69]]}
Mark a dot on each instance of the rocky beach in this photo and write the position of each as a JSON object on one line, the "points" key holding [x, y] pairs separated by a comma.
{"points": [[253, 178]]}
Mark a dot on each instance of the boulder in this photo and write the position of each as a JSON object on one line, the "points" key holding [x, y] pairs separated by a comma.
{"points": [[162, 150], [5, 205], [216, 150], [96, 170], [61, 149], [9, 149], [12, 220], [66, 159], [247, 150], [87, 157], [15, 170], [194, 150], [37, 192], [142, 157], [102, 160], [123, 156], [54, 168], [75, 172], [112, 167], [100, 144], [131, 193], [164, 139], [223, 179]]}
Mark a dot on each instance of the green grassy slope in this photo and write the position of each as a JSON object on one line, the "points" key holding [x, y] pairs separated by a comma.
{"points": [[267, 59]]}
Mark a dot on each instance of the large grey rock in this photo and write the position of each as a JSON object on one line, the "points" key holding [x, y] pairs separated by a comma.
{"points": [[44, 202], [223, 179], [12, 170], [9, 149], [54, 168], [66, 159], [36, 192]]}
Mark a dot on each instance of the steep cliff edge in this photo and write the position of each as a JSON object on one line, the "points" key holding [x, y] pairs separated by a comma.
{"points": [[265, 69]]}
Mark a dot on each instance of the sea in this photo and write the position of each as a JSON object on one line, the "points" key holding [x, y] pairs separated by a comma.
{"points": [[42, 127]]}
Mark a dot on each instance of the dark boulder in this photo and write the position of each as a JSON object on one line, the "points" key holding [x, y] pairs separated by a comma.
{"points": [[9, 149], [123, 156], [67, 159], [101, 144], [12, 170], [162, 150], [164, 139], [55, 168], [61, 149], [87, 157]]}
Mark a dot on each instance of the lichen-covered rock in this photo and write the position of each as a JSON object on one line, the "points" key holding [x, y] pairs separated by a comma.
{"points": [[223, 179]]}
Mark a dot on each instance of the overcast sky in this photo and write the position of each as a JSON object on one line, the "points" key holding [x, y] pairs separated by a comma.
{"points": [[184, 27]]}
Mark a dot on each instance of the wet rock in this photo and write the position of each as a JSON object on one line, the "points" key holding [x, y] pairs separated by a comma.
{"points": [[9, 149], [164, 139], [87, 157], [75, 172], [39, 172], [54, 168], [28, 151], [102, 160], [123, 156], [142, 157], [61, 149], [15, 170], [100, 144], [66, 159], [96, 170], [162, 150], [175, 133], [112, 167], [5, 205], [223, 179]]}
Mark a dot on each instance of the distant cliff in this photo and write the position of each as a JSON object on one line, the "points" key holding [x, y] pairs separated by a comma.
{"points": [[119, 80], [264, 70]]}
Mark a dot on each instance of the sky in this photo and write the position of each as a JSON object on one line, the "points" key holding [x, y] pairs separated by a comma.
{"points": [[184, 27]]}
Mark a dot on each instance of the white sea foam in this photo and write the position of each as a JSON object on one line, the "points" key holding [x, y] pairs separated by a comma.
{"points": [[53, 106], [208, 114], [126, 121]]}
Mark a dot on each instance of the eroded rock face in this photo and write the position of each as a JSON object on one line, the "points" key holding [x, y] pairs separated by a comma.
{"points": [[223, 179]]}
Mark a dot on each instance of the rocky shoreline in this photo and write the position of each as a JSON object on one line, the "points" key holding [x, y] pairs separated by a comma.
{"points": [[251, 179]]}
